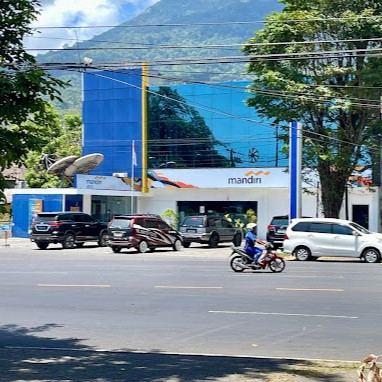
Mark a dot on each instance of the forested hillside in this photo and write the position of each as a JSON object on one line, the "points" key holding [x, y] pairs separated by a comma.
{"points": [[201, 37]]}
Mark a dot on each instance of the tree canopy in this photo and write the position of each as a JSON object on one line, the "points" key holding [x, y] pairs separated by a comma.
{"points": [[65, 140], [25, 89], [317, 62]]}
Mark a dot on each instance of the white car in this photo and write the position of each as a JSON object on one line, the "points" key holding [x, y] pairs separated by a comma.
{"points": [[309, 238]]}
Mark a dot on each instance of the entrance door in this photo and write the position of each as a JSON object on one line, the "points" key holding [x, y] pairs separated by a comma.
{"points": [[361, 215]]}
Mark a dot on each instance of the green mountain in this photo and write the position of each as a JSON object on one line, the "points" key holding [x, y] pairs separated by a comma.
{"points": [[188, 40]]}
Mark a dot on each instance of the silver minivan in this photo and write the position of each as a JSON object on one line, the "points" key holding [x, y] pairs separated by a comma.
{"points": [[310, 238], [209, 229]]}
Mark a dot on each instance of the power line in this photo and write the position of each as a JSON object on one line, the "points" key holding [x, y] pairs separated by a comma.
{"points": [[139, 46], [222, 23], [314, 136]]}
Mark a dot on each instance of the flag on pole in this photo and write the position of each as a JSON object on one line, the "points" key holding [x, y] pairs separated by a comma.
{"points": [[133, 164], [134, 155]]}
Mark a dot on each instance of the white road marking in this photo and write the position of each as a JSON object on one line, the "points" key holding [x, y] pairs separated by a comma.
{"points": [[33, 273], [312, 289], [186, 287], [282, 314], [74, 285]]}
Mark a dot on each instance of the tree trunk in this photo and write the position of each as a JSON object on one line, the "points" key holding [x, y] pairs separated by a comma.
{"points": [[333, 185]]}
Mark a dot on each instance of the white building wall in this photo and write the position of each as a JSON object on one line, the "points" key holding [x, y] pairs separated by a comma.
{"points": [[270, 202], [364, 196]]}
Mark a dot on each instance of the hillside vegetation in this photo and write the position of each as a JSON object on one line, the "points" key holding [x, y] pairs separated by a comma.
{"points": [[169, 30]]}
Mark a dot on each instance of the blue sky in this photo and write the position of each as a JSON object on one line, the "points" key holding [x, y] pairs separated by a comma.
{"points": [[80, 13]]}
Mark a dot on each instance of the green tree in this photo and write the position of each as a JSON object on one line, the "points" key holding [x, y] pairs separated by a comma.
{"points": [[171, 218], [25, 89], [178, 133], [314, 63], [65, 140]]}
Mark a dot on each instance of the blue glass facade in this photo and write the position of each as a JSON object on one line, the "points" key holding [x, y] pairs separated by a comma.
{"points": [[245, 140], [112, 115]]}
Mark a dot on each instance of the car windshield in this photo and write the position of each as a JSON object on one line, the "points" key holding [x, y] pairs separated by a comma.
{"points": [[193, 221], [120, 223], [359, 228]]}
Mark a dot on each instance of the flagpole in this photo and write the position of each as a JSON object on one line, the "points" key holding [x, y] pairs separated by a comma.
{"points": [[132, 176]]}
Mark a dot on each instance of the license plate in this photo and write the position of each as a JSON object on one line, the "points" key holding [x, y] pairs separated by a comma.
{"points": [[117, 234], [191, 230]]}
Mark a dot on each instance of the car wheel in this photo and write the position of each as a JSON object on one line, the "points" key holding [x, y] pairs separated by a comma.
{"points": [[143, 247], [237, 239], [116, 249], [186, 244], [69, 241], [302, 253], [177, 245], [214, 241], [42, 245], [371, 255], [102, 241]]}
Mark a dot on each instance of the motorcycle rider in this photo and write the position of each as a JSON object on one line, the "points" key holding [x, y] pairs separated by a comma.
{"points": [[250, 243]]}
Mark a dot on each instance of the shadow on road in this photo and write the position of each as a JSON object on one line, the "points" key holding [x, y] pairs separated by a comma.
{"points": [[25, 356]]}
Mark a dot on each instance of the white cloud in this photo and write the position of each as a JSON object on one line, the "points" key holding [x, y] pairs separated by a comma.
{"points": [[90, 15]]}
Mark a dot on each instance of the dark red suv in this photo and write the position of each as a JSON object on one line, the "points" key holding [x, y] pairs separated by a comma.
{"points": [[142, 232]]}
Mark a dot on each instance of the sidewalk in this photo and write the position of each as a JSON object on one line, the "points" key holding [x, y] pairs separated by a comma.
{"points": [[25, 364], [15, 242]]}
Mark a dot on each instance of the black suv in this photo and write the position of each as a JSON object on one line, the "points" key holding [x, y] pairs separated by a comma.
{"points": [[209, 229], [276, 230], [67, 228], [142, 232]]}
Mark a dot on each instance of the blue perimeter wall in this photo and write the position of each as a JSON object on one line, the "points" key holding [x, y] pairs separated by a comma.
{"points": [[22, 213]]}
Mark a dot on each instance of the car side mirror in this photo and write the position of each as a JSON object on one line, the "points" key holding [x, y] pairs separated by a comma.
{"points": [[355, 233]]}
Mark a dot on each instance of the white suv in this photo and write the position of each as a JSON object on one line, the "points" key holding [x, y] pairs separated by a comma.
{"points": [[310, 238]]}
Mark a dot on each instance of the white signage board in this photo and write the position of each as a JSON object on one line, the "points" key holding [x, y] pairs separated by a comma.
{"points": [[219, 178], [99, 182]]}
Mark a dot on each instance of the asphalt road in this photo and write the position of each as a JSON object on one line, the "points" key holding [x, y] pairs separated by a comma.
{"points": [[191, 302], [188, 302]]}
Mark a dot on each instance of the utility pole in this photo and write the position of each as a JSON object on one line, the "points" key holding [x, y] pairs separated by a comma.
{"points": [[295, 167], [145, 85], [379, 174]]}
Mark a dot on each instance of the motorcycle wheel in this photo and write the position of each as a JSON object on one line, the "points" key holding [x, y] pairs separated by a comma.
{"points": [[277, 265], [238, 264]]}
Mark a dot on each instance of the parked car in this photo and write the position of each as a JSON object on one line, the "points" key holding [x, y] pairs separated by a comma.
{"points": [[276, 230], [310, 238], [208, 229], [142, 232], [67, 228]]}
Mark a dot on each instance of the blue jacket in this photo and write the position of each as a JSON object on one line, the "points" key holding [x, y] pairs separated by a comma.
{"points": [[250, 240]]}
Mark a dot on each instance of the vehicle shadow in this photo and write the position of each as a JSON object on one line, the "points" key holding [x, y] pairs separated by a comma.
{"points": [[26, 356], [339, 260], [326, 260], [55, 247]]}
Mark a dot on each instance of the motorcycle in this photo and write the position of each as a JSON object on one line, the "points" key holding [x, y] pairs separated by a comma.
{"points": [[241, 261]]}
